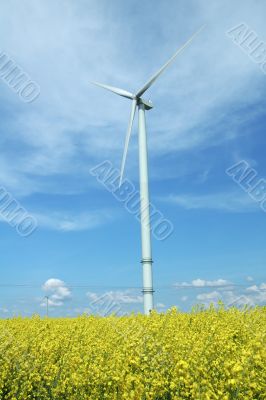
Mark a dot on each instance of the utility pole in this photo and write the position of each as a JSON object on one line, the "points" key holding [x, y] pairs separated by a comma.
{"points": [[47, 305]]}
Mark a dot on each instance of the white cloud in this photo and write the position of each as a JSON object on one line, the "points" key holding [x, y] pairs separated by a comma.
{"points": [[112, 302], [160, 306], [67, 222], [212, 296], [253, 288], [232, 298], [257, 293], [229, 293], [203, 283], [229, 298], [231, 201], [71, 117], [118, 297], [251, 296], [249, 278], [57, 292]]}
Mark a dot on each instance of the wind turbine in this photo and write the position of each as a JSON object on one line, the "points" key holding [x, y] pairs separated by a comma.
{"points": [[143, 105]]}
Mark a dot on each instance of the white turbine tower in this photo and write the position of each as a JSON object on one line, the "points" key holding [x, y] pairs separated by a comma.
{"points": [[142, 104]]}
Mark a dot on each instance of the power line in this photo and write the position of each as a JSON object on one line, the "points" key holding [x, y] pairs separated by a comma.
{"points": [[174, 286]]}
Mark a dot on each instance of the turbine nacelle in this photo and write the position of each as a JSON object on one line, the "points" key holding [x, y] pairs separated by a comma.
{"points": [[147, 103]]}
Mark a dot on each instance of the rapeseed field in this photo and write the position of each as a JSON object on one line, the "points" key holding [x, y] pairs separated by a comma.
{"points": [[204, 355]]}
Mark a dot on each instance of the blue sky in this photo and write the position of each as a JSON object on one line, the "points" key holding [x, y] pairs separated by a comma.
{"points": [[209, 114]]}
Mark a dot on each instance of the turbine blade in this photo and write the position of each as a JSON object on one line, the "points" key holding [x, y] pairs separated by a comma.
{"points": [[158, 73], [129, 130], [120, 92]]}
